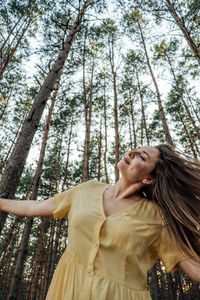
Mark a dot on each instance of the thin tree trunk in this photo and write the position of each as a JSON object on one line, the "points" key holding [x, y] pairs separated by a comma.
{"points": [[68, 153], [132, 112], [114, 74], [182, 99], [194, 109], [162, 113], [9, 236], [9, 35], [49, 256], [38, 260], [5, 106], [190, 139], [17, 161], [85, 158], [181, 24], [106, 135], [9, 150], [57, 167], [54, 250], [10, 55], [130, 133], [14, 290], [117, 142], [99, 152], [88, 119], [142, 108]]}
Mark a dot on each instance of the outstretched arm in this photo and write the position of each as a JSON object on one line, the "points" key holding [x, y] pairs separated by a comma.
{"points": [[29, 208], [191, 267]]}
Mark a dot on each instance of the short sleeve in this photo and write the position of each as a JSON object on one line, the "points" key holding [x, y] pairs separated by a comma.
{"points": [[168, 251], [63, 202]]}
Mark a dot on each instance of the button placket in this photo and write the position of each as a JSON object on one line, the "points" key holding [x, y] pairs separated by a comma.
{"points": [[95, 244]]}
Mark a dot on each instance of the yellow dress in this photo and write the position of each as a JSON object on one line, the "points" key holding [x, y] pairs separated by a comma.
{"points": [[108, 257]]}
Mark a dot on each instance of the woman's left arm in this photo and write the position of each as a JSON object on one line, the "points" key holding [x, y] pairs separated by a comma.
{"points": [[191, 267]]}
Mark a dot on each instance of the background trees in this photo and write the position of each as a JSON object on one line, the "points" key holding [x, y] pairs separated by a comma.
{"points": [[129, 78]]}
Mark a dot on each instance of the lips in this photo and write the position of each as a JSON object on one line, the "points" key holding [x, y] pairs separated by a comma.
{"points": [[126, 160]]}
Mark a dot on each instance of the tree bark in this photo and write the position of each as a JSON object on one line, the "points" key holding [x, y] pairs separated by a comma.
{"points": [[180, 23], [17, 161], [105, 134], [144, 123], [38, 260], [130, 132], [9, 35], [193, 108], [13, 294], [132, 112], [161, 109], [9, 54], [99, 153], [5, 106], [88, 119], [68, 153], [114, 75], [182, 99], [190, 139]]}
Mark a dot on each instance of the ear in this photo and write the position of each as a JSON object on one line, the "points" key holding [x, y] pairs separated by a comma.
{"points": [[147, 180]]}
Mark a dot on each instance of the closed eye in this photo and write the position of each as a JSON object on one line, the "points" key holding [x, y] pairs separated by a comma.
{"points": [[142, 157]]}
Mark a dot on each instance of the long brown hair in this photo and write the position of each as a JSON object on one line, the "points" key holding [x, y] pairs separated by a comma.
{"points": [[176, 191]]}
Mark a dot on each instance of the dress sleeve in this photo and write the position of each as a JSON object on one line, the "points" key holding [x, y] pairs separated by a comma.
{"points": [[169, 253], [63, 202]]}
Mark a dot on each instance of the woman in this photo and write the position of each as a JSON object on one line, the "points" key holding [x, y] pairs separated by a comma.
{"points": [[116, 232]]}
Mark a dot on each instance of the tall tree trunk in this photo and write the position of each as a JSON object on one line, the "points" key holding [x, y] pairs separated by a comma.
{"points": [[144, 123], [88, 119], [195, 110], [14, 290], [162, 113], [38, 260], [17, 161], [182, 99], [10, 33], [105, 133], [57, 166], [132, 112], [49, 255], [5, 106], [13, 227], [181, 24], [99, 152], [190, 139], [117, 142], [68, 153], [130, 132], [55, 249], [114, 75], [9, 150], [11, 51]]}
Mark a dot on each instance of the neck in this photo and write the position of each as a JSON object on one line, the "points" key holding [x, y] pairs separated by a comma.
{"points": [[122, 189]]}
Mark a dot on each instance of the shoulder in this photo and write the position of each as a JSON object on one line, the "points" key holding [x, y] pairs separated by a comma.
{"points": [[91, 184], [150, 212]]}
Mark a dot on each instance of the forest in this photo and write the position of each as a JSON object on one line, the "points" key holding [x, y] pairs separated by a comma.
{"points": [[82, 82]]}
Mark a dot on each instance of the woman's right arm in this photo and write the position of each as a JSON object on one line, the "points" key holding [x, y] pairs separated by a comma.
{"points": [[29, 208]]}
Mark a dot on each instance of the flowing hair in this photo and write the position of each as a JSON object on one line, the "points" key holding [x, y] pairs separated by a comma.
{"points": [[176, 191]]}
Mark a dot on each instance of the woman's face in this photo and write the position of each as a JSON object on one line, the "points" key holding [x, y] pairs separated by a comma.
{"points": [[137, 165]]}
